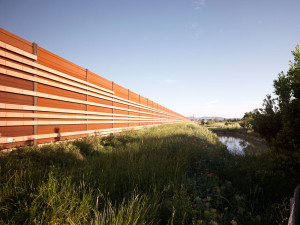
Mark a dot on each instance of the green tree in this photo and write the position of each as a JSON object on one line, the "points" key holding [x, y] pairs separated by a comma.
{"points": [[279, 119], [203, 122], [287, 88], [267, 120], [248, 120]]}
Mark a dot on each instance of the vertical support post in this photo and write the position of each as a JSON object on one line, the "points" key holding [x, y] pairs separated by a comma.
{"points": [[113, 105], [148, 110], [35, 98], [152, 114], [128, 110], [163, 114], [158, 107], [140, 110], [87, 106]]}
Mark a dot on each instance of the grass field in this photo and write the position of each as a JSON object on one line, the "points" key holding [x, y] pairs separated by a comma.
{"points": [[170, 174], [224, 125]]}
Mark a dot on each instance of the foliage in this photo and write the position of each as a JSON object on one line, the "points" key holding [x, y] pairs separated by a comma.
{"points": [[267, 120], [279, 119], [287, 88]]}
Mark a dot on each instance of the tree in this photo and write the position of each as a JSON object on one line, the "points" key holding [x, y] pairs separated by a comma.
{"points": [[248, 119], [287, 88], [267, 120], [279, 119]]}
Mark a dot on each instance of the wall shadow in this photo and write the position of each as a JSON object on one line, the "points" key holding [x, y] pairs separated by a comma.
{"points": [[58, 137]]}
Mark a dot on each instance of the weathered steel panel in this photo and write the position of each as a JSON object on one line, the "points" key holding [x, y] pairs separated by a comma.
{"points": [[100, 81], [55, 62], [15, 41]]}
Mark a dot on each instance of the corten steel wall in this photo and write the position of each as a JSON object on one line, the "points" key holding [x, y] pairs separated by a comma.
{"points": [[45, 98]]}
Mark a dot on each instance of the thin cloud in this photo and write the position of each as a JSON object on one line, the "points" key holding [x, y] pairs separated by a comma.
{"points": [[194, 25], [213, 102], [199, 4]]}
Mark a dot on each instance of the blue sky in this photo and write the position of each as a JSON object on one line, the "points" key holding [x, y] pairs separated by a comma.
{"points": [[201, 57]]}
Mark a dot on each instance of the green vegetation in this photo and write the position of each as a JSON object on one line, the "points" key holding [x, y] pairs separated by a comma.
{"points": [[171, 174], [223, 125], [279, 120]]}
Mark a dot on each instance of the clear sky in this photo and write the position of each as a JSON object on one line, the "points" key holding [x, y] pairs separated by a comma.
{"points": [[201, 57]]}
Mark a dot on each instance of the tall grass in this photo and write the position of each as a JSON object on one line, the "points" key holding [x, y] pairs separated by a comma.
{"points": [[171, 174]]}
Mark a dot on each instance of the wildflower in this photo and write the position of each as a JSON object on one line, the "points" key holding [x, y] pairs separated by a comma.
{"points": [[195, 205], [197, 199], [233, 222], [237, 197], [211, 174], [218, 177], [191, 195], [206, 213], [194, 140], [206, 169]]}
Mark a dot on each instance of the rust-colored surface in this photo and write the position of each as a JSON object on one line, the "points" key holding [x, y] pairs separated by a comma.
{"points": [[60, 104], [60, 92], [55, 62], [133, 97], [100, 81], [99, 100], [100, 126], [59, 138], [12, 98], [120, 125], [120, 91], [99, 109], [66, 93], [16, 82], [16, 131], [15, 41], [49, 129]]}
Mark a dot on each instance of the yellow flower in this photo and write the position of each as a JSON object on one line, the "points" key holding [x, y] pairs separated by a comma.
{"points": [[197, 199], [233, 222], [206, 213]]}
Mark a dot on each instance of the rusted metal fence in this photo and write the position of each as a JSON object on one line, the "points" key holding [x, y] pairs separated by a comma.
{"points": [[45, 98]]}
